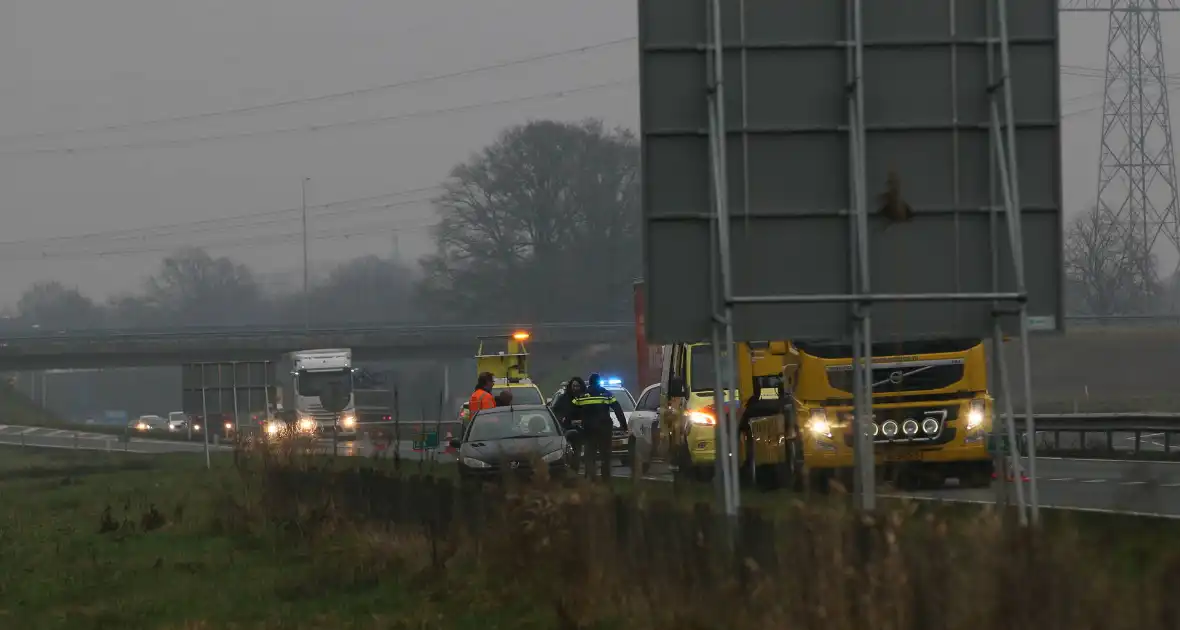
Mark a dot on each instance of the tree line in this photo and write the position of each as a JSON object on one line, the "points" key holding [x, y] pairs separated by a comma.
{"points": [[549, 209], [543, 224]]}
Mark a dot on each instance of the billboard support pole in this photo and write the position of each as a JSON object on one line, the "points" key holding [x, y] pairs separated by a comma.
{"points": [[723, 357], [862, 336], [237, 416], [205, 415]]}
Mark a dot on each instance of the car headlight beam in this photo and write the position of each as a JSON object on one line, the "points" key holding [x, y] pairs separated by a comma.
{"points": [[701, 418]]}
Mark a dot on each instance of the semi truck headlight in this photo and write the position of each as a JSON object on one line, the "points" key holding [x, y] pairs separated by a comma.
{"points": [[909, 427], [889, 428], [930, 426], [272, 428], [306, 424], [348, 422], [975, 413], [229, 426], [700, 417], [818, 423]]}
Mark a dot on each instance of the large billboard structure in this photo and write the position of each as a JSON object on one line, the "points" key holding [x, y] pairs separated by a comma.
{"points": [[852, 170], [238, 389]]}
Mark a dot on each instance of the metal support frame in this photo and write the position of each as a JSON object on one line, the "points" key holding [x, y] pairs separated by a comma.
{"points": [[861, 298]]}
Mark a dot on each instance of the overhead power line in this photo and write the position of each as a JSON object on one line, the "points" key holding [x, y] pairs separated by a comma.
{"points": [[219, 222], [552, 95], [323, 97]]}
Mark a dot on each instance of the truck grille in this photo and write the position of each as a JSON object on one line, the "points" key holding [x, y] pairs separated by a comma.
{"points": [[910, 378]]}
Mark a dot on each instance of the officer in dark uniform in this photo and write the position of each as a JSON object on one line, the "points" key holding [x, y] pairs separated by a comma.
{"points": [[594, 408]]}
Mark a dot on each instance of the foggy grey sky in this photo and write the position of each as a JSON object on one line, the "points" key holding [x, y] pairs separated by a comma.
{"points": [[72, 64]]}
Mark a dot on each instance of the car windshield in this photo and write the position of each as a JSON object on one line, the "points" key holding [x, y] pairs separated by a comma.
{"points": [[624, 399], [522, 395], [176, 417], [501, 424]]}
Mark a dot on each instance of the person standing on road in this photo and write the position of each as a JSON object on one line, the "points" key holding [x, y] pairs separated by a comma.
{"points": [[563, 408], [594, 409], [482, 397]]}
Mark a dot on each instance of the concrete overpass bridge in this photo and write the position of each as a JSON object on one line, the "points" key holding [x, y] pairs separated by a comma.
{"points": [[43, 350]]}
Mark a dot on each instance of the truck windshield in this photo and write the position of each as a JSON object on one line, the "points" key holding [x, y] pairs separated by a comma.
{"points": [[831, 350], [313, 383]]}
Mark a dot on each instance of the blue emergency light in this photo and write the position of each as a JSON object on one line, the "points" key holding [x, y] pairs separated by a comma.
{"points": [[612, 382]]}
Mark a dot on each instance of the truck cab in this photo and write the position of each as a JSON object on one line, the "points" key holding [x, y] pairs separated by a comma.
{"points": [[932, 411], [306, 378]]}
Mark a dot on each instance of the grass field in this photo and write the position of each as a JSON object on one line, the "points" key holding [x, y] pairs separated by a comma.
{"points": [[97, 540]]}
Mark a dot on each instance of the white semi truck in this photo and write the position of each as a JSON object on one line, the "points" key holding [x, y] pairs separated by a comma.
{"points": [[302, 378]]}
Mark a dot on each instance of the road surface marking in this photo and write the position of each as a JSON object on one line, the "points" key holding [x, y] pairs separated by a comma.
{"points": [[57, 433], [1170, 485], [1093, 481], [1062, 479], [1132, 483], [29, 430]]}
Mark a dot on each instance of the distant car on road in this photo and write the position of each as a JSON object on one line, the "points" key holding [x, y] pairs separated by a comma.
{"points": [[148, 423], [178, 421], [511, 438]]}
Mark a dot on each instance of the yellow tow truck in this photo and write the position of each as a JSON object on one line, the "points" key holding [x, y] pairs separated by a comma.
{"points": [[510, 369], [931, 406]]}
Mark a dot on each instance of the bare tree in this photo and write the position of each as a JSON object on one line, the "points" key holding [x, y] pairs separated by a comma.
{"points": [[1108, 266]]}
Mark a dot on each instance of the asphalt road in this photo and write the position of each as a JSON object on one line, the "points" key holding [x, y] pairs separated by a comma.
{"points": [[60, 438], [1086, 484]]}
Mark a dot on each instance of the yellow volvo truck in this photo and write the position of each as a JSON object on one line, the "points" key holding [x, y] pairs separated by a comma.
{"points": [[932, 411]]}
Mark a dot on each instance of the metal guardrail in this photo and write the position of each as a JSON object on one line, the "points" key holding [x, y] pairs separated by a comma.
{"points": [[1162, 425]]}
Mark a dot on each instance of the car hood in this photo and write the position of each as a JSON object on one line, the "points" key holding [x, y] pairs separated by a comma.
{"points": [[495, 451]]}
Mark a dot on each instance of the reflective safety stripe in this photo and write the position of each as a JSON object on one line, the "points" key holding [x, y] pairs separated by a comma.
{"points": [[594, 400]]}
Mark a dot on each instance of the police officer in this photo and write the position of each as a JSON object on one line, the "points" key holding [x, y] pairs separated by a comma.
{"points": [[593, 408]]}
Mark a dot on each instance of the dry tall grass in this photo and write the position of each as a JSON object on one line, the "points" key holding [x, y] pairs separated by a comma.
{"points": [[593, 559]]}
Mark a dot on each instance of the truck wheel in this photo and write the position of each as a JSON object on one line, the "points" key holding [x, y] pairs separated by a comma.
{"points": [[978, 475], [820, 480], [747, 475], [796, 475]]}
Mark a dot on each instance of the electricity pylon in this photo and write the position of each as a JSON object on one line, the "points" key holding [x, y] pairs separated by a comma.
{"points": [[1136, 166]]}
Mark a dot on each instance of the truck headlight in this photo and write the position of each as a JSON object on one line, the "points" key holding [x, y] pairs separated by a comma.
{"points": [[306, 424], [702, 418], [348, 422], [273, 428], [817, 422], [554, 456], [471, 462], [975, 413]]}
